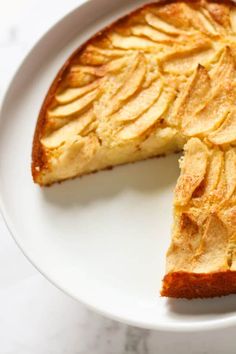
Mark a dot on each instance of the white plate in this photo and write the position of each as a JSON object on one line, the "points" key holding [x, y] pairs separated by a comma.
{"points": [[102, 239]]}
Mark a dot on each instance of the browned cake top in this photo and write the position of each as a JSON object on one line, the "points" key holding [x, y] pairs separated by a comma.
{"points": [[166, 69], [204, 235]]}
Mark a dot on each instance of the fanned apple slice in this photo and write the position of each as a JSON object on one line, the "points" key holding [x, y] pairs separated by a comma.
{"points": [[192, 96], [111, 85], [139, 104], [228, 216], [71, 94], [74, 107], [117, 64], [79, 79], [218, 102], [182, 16], [220, 13], [204, 194], [149, 118], [188, 17], [182, 52], [81, 75], [193, 170], [131, 42], [70, 130], [152, 34], [213, 171], [186, 61], [110, 53], [233, 20], [163, 26], [213, 113], [225, 68], [207, 22], [226, 134], [134, 77], [215, 257], [227, 181], [218, 195], [94, 55], [87, 69], [118, 87], [176, 14], [185, 234], [114, 65], [230, 172], [197, 44], [152, 69], [133, 81]]}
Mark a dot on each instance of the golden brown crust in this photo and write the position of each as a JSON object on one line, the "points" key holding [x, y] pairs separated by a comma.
{"points": [[192, 285], [39, 159]]}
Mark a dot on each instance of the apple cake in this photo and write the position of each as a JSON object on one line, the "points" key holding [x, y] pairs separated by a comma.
{"points": [[158, 81]]}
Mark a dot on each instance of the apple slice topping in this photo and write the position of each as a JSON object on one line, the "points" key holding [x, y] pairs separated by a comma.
{"points": [[192, 96], [233, 20], [185, 61], [139, 104], [207, 22], [131, 42], [163, 26], [230, 172], [216, 108], [68, 131], [132, 82], [226, 133], [213, 171], [71, 94], [149, 118], [193, 170], [74, 107], [152, 34]]}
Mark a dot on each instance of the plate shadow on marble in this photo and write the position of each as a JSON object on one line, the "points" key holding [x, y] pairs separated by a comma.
{"points": [[200, 307]]}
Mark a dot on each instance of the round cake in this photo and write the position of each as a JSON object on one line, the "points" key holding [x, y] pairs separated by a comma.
{"points": [[158, 81]]}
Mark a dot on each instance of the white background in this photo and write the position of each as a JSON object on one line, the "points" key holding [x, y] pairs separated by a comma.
{"points": [[35, 317]]}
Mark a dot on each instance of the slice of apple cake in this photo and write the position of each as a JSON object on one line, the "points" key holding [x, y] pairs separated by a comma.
{"points": [[159, 80]]}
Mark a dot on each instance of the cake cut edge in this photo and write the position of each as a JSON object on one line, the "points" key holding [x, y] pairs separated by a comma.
{"points": [[199, 285]]}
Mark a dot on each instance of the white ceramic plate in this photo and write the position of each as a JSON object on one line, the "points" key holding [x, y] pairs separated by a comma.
{"points": [[102, 239]]}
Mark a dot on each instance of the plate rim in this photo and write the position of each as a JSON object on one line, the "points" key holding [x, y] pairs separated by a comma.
{"points": [[198, 326]]}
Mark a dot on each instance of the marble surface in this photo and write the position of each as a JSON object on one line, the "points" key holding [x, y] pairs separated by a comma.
{"points": [[35, 317]]}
